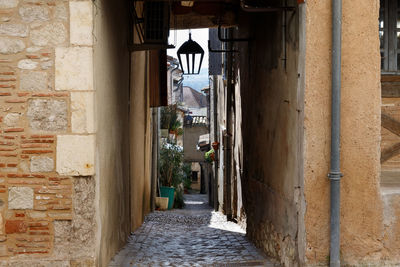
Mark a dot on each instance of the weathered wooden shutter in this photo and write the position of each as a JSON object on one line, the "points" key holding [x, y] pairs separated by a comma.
{"points": [[158, 78]]}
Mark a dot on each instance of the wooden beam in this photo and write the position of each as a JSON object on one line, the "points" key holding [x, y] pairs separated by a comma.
{"points": [[390, 78], [196, 21], [390, 152], [203, 15], [158, 78], [390, 89], [391, 124]]}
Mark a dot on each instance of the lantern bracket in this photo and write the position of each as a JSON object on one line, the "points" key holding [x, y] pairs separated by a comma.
{"points": [[227, 40], [219, 51], [262, 9]]}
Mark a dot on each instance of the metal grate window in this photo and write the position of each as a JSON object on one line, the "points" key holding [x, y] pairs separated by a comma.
{"points": [[156, 22], [389, 35]]}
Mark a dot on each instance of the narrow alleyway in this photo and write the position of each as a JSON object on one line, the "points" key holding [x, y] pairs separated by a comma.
{"points": [[194, 236]]}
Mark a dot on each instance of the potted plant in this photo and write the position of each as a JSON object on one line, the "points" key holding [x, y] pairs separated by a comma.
{"points": [[170, 123], [210, 156], [171, 157], [171, 174], [215, 145]]}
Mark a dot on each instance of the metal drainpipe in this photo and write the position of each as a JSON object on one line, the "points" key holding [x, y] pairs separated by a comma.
{"points": [[335, 174], [216, 131], [154, 170], [228, 147]]}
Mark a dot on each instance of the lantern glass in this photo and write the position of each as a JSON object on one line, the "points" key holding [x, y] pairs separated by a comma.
{"points": [[190, 56]]}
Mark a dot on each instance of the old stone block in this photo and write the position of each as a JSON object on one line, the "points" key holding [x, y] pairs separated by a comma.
{"points": [[1, 225], [16, 227], [33, 49], [30, 262], [82, 109], [46, 65], [3, 250], [34, 13], [12, 119], [84, 223], [11, 46], [5, 19], [33, 81], [13, 29], [81, 22], [74, 68], [8, 3], [50, 34], [27, 64], [41, 164], [47, 115], [75, 155], [82, 263], [60, 12], [37, 215], [20, 198], [62, 238]]}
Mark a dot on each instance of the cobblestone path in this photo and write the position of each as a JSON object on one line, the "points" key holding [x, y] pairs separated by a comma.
{"points": [[194, 236]]}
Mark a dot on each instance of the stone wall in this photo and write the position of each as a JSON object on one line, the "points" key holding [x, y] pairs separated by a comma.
{"points": [[271, 126], [47, 140], [191, 136]]}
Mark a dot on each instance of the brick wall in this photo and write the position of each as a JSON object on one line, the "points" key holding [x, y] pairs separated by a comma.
{"points": [[47, 131]]}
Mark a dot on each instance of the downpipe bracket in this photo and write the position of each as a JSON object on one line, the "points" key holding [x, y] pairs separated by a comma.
{"points": [[335, 176]]}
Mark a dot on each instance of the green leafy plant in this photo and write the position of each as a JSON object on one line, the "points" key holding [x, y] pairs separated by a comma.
{"points": [[171, 173], [210, 156], [170, 118]]}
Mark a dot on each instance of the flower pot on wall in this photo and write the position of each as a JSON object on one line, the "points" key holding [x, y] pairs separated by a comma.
{"points": [[168, 192], [215, 145], [210, 156]]}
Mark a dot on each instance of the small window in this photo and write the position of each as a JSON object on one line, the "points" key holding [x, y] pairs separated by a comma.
{"points": [[195, 176], [389, 35]]}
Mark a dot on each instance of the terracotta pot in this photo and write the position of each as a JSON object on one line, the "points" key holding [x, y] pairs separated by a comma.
{"points": [[215, 145]]}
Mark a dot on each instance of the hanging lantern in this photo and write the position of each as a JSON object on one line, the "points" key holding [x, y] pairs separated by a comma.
{"points": [[190, 56]]}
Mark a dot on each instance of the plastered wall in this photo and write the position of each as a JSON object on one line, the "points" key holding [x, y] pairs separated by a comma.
{"points": [[190, 139], [140, 139], [361, 205], [111, 80]]}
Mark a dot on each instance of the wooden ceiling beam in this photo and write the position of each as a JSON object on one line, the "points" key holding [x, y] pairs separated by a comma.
{"points": [[203, 15]]}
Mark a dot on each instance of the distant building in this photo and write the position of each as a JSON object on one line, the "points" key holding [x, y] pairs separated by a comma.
{"points": [[195, 125], [193, 98], [174, 81]]}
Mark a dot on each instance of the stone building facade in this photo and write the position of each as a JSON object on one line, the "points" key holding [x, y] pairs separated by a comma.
{"points": [[75, 135], [280, 116], [53, 203], [47, 131]]}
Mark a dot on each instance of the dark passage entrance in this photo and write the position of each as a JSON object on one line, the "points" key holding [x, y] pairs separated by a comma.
{"points": [[255, 100]]}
